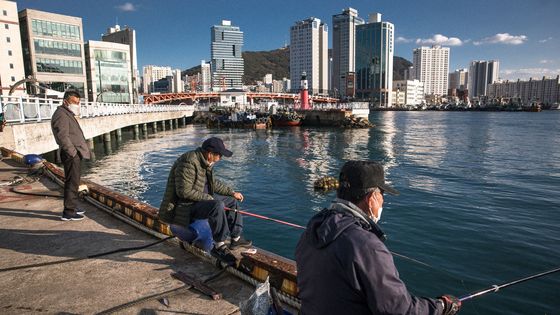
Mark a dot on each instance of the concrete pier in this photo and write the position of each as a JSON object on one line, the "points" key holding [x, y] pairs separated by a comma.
{"points": [[91, 146], [145, 131], [163, 125], [136, 132], [33, 234], [118, 134], [154, 127]]}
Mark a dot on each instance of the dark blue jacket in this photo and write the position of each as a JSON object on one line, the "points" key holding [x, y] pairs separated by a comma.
{"points": [[344, 268]]}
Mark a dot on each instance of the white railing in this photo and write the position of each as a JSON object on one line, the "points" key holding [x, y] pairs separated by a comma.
{"points": [[22, 109], [350, 106]]}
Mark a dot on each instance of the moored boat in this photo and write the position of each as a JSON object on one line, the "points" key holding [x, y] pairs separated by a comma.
{"points": [[287, 119]]}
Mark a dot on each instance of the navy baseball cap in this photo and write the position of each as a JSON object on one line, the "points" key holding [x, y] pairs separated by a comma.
{"points": [[359, 176], [216, 145]]}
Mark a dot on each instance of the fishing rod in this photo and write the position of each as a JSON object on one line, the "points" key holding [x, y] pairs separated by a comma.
{"points": [[303, 228], [495, 288], [266, 218]]}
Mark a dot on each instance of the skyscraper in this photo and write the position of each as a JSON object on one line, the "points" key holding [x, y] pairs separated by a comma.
{"points": [[309, 54], [11, 67], [126, 36], [344, 49], [374, 61], [482, 73], [226, 59], [431, 66]]}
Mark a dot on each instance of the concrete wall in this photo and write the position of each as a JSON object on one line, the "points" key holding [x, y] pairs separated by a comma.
{"points": [[37, 138], [324, 117]]}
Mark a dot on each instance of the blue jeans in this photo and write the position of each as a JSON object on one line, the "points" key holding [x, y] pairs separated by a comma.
{"points": [[224, 223]]}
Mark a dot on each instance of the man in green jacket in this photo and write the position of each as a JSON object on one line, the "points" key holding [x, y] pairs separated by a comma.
{"points": [[192, 193]]}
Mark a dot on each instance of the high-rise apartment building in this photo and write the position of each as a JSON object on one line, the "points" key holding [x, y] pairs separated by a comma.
{"points": [[177, 84], [309, 54], [11, 66], [344, 50], [53, 51], [226, 59], [109, 75], [431, 66], [126, 36], [152, 74], [205, 77], [374, 61], [545, 91], [458, 80], [482, 73]]}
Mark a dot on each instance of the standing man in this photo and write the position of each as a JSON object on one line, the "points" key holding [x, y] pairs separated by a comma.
{"points": [[343, 265], [73, 148], [192, 193]]}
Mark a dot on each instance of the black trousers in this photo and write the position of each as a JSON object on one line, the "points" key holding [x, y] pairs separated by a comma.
{"points": [[224, 223], [72, 173]]}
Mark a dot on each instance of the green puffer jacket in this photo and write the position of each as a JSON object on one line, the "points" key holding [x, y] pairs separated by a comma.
{"points": [[185, 186]]}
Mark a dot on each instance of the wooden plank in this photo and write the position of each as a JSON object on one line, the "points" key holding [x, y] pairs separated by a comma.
{"points": [[199, 286]]}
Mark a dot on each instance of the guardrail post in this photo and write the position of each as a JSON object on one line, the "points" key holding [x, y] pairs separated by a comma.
{"points": [[38, 107], [22, 115]]}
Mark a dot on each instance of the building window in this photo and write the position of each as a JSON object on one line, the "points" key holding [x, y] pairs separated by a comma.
{"points": [[5, 12], [6, 26], [9, 52], [8, 40], [13, 79], [11, 65]]}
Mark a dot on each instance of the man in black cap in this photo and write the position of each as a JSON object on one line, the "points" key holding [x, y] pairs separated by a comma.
{"points": [[343, 265], [192, 193]]}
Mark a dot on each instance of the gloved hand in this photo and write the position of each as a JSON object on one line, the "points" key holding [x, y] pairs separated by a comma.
{"points": [[451, 304]]}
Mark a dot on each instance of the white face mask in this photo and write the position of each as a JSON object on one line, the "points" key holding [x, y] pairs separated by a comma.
{"points": [[75, 109], [372, 216]]}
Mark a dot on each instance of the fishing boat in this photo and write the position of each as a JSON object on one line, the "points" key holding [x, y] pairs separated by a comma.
{"points": [[287, 119]]}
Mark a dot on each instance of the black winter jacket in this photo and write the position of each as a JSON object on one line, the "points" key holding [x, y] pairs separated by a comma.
{"points": [[344, 268]]}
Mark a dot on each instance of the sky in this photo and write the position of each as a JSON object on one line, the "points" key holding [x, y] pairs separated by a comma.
{"points": [[522, 34]]}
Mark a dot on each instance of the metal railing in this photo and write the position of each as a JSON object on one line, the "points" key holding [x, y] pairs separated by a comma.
{"points": [[22, 109]]}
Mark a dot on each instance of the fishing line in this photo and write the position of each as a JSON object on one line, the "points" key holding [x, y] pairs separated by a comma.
{"points": [[303, 228]]}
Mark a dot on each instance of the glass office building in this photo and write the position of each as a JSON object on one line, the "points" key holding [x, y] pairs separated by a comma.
{"points": [[108, 72], [374, 61], [226, 59], [53, 51]]}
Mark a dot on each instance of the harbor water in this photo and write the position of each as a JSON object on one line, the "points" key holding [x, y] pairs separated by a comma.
{"points": [[479, 203]]}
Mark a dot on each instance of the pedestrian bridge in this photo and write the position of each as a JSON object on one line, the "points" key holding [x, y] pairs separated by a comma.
{"points": [[28, 128]]}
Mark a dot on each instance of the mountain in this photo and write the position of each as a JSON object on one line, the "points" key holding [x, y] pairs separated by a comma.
{"points": [[277, 62]]}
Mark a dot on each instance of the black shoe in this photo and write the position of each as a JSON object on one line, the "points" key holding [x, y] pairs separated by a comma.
{"points": [[241, 242], [80, 211], [223, 254], [71, 217]]}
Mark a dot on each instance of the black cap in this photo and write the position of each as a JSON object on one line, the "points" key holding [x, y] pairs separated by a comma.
{"points": [[359, 176], [216, 145]]}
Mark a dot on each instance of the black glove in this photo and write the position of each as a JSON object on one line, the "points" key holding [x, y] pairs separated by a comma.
{"points": [[451, 304]]}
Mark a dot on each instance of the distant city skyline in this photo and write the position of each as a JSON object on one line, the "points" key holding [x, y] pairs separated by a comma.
{"points": [[522, 35]]}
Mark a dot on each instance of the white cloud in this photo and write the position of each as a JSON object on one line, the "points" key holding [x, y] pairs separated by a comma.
{"points": [[127, 7], [545, 61], [503, 38], [545, 40], [401, 39], [526, 73], [439, 39]]}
